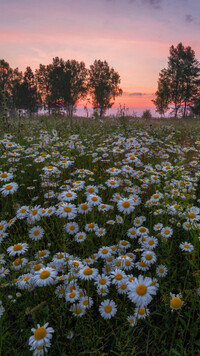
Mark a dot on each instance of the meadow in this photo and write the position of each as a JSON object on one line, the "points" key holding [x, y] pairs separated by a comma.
{"points": [[99, 237]]}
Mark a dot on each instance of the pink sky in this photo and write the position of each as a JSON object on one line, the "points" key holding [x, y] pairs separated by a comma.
{"points": [[133, 36]]}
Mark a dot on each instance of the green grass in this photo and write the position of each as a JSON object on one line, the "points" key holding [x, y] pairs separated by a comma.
{"points": [[163, 332]]}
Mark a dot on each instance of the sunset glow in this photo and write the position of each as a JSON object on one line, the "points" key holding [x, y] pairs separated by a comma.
{"points": [[133, 36]]}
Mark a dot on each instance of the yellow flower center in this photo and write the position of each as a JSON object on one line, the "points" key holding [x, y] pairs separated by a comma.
{"points": [[151, 242], [192, 215], [34, 212], [142, 229], [72, 295], [37, 267], [118, 276], [91, 190], [142, 264], [36, 233], [84, 206], [124, 243], [133, 232], [104, 251], [141, 289], [72, 227], [77, 310], [148, 257], [118, 263], [123, 286], [108, 308], [41, 253], [23, 210], [94, 198], [8, 187], [88, 271], [4, 175], [127, 263], [59, 256], [67, 209], [1, 226], [85, 302], [166, 232], [18, 262], [44, 274], [102, 281], [26, 279], [131, 320], [161, 270], [69, 195], [17, 247], [126, 204], [141, 311], [176, 303], [186, 246], [40, 333], [156, 196]]}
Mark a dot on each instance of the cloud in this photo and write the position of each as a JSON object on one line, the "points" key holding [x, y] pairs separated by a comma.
{"points": [[154, 3], [189, 18], [134, 93]]}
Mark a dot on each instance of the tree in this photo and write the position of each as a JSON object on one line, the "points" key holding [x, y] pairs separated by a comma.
{"points": [[26, 92], [64, 83], [103, 85], [163, 93], [147, 114], [179, 82]]}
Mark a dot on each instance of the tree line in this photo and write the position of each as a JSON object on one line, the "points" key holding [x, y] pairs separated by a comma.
{"points": [[179, 84], [61, 84]]}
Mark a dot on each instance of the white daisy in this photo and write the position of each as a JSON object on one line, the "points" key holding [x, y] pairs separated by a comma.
{"points": [[41, 337], [140, 291], [44, 277], [9, 188], [17, 249], [36, 233], [108, 309]]}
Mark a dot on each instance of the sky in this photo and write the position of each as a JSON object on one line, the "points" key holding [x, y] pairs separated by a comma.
{"points": [[133, 36]]}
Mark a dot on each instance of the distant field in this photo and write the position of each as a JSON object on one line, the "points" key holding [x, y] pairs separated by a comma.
{"points": [[99, 236]]}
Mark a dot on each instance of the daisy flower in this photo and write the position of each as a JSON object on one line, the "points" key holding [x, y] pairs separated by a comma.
{"points": [[84, 208], [78, 310], [36, 233], [41, 337], [17, 249], [44, 277], [67, 195], [140, 291], [22, 212], [10, 188], [60, 291], [132, 320], [132, 233], [166, 232], [5, 177], [117, 276], [67, 210], [119, 219], [19, 263], [186, 246], [99, 231], [102, 281], [86, 302], [72, 296], [125, 206], [149, 257], [71, 227], [88, 273], [176, 301], [161, 271], [108, 309], [34, 214], [141, 312], [80, 236], [93, 199], [104, 252], [3, 225]]}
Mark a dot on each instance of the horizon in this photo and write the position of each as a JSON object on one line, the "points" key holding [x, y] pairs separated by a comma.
{"points": [[133, 37]]}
